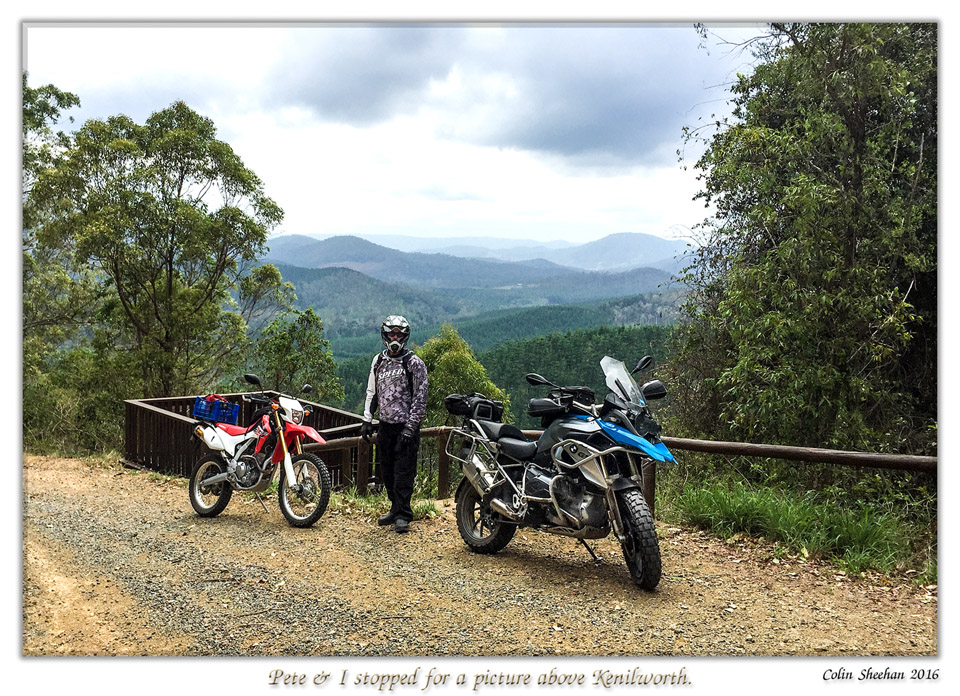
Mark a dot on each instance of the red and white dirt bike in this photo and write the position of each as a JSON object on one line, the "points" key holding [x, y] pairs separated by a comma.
{"points": [[246, 458]]}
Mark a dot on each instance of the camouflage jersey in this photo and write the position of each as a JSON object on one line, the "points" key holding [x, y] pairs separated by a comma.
{"points": [[390, 384]]}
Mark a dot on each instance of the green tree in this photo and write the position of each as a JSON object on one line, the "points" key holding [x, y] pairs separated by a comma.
{"points": [[58, 294], [43, 108], [60, 301], [171, 218], [454, 369], [292, 351], [570, 358], [812, 313]]}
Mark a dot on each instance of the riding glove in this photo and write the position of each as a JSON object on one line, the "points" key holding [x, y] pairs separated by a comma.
{"points": [[367, 430]]}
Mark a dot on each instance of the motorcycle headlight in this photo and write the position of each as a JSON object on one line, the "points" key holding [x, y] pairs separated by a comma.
{"points": [[297, 416]]}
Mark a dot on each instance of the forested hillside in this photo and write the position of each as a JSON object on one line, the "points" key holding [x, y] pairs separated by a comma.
{"points": [[569, 358], [352, 303], [568, 288], [489, 329]]}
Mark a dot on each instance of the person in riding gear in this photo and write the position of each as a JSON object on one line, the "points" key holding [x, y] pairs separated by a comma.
{"points": [[397, 388]]}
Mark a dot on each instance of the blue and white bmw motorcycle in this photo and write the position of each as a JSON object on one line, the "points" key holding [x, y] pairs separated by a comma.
{"points": [[582, 478]]}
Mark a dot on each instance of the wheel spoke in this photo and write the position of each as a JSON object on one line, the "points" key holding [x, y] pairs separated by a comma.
{"points": [[209, 494], [304, 501], [208, 500]]}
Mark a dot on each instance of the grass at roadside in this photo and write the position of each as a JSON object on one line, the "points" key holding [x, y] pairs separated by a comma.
{"points": [[857, 538], [350, 501]]}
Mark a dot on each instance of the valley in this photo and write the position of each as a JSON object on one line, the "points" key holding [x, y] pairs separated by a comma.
{"points": [[351, 283], [511, 307]]}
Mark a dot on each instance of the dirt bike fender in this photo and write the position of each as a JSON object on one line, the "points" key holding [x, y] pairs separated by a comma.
{"points": [[211, 438], [623, 484], [303, 431]]}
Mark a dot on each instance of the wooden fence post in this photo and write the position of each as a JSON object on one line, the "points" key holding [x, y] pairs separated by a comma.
{"points": [[364, 466]]}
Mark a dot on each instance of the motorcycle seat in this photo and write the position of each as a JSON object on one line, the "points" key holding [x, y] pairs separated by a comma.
{"points": [[232, 429], [518, 449], [495, 430]]}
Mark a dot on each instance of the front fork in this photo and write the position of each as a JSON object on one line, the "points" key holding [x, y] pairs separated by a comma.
{"points": [[287, 459], [615, 486], [613, 503], [613, 508]]}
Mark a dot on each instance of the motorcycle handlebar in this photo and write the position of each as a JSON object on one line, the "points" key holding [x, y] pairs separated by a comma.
{"points": [[254, 399]]}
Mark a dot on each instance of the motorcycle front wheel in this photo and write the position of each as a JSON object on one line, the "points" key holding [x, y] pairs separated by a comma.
{"points": [[641, 549], [482, 529], [305, 502], [210, 500]]}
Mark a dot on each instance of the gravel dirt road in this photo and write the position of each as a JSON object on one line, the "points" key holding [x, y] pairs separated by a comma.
{"points": [[117, 563]]}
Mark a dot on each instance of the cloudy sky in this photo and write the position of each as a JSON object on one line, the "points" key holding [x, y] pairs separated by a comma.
{"points": [[534, 131]]}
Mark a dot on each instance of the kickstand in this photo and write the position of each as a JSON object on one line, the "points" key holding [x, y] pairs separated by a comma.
{"points": [[590, 550], [261, 503]]}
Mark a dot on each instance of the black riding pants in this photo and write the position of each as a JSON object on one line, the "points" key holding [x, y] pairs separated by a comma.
{"points": [[398, 466]]}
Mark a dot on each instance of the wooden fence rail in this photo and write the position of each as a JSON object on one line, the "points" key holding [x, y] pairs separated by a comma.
{"points": [[158, 437], [903, 462], [804, 454]]}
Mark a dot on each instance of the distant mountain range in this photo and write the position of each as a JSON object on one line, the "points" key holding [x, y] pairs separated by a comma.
{"points": [[614, 252], [412, 268], [442, 245], [345, 297], [353, 283]]}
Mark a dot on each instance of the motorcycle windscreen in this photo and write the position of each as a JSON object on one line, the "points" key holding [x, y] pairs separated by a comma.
{"points": [[620, 381], [623, 436]]}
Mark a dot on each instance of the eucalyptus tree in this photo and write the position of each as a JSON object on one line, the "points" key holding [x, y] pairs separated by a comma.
{"points": [[454, 369], [291, 351], [58, 295], [172, 220], [812, 313]]}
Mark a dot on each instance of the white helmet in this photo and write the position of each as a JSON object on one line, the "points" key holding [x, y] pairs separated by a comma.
{"points": [[395, 333]]}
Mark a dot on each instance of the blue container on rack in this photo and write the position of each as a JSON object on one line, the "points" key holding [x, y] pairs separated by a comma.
{"points": [[216, 409]]}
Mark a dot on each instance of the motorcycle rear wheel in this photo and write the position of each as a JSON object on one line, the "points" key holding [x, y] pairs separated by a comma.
{"points": [[304, 506], [641, 549], [209, 501], [483, 530]]}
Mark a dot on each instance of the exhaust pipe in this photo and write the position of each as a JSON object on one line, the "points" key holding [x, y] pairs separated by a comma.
{"points": [[472, 472], [480, 480], [501, 507]]}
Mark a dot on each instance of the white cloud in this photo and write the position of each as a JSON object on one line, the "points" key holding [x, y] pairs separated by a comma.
{"points": [[419, 130]]}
